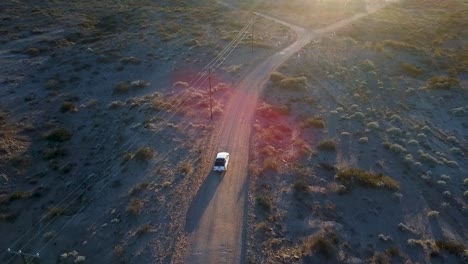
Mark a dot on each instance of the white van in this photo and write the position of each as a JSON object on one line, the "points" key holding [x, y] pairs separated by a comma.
{"points": [[221, 162]]}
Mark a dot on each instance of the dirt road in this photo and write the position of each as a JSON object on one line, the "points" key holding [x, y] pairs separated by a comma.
{"points": [[216, 221], [218, 216]]}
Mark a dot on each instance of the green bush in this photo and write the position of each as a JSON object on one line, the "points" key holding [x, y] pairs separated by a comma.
{"points": [[144, 154], [20, 195], [68, 107], [122, 87], [327, 145], [301, 185], [264, 201], [367, 179], [316, 122], [411, 70], [367, 65], [453, 247], [277, 77], [441, 83], [59, 135], [293, 83]]}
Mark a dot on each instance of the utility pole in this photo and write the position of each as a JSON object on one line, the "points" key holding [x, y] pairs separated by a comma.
{"points": [[252, 38], [211, 106]]}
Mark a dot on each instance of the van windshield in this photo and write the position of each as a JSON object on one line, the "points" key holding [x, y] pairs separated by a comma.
{"points": [[220, 162]]}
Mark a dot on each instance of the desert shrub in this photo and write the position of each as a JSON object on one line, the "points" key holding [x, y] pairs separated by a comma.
{"points": [[122, 87], [116, 104], [367, 65], [345, 134], [271, 163], [277, 77], [160, 104], [324, 247], [394, 131], [8, 217], [53, 84], [166, 184], [393, 251], [127, 157], [411, 70], [442, 183], [300, 185], [32, 51], [261, 44], [59, 135], [130, 60], [146, 228], [453, 247], [456, 151], [323, 244], [449, 163], [395, 118], [327, 145], [186, 167], [441, 83], [413, 142], [399, 45], [373, 125], [421, 136], [19, 195], [445, 177], [432, 214], [366, 179], [459, 111], [49, 235], [4, 198], [397, 148], [138, 84], [137, 189], [68, 107], [428, 158], [180, 84], [293, 83], [315, 122], [363, 140], [264, 201], [144, 154], [358, 115], [135, 207], [119, 250], [54, 211]]}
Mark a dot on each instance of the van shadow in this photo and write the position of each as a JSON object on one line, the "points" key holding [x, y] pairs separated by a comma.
{"points": [[201, 201]]}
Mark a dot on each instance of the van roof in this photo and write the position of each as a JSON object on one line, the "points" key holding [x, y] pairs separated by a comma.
{"points": [[222, 155]]}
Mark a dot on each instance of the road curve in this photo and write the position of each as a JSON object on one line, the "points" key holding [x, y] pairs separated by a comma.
{"points": [[216, 221]]}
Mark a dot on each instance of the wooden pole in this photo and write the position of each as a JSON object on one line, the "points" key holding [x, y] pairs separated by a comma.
{"points": [[252, 38], [211, 105]]}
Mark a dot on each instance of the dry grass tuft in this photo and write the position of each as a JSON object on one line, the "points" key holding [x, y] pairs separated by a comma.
{"points": [[135, 207]]}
